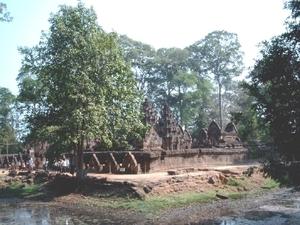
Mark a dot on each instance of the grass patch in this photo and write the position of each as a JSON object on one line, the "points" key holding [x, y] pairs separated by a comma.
{"points": [[242, 182], [240, 195], [269, 183], [152, 204], [155, 203], [266, 185], [16, 190]]}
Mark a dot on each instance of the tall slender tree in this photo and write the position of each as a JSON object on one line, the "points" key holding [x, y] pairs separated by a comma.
{"points": [[8, 133], [219, 56]]}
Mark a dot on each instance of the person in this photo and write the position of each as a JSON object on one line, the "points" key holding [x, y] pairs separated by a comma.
{"points": [[55, 164], [46, 165], [67, 165], [64, 165], [30, 164], [58, 166], [19, 165], [13, 166], [85, 171], [23, 166]]}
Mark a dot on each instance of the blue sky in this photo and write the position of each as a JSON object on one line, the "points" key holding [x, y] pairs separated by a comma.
{"points": [[160, 23]]}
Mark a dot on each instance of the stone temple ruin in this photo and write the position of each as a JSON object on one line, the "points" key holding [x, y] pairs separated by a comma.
{"points": [[168, 146], [165, 133], [215, 136]]}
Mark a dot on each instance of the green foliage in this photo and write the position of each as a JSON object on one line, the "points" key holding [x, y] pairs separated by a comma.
{"points": [[17, 190], [156, 203], [218, 56], [166, 76], [204, 109], [241, 182], [270, 183], [142, 59], [275, 86], [276, 166], [169, 64], [181, 88], [250, 125], [275, 82], [180, 76], [75, 85], [4, 14], [8, 122], [249, 171]]}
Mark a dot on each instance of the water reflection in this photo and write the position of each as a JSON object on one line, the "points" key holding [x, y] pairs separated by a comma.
{"points": [[28, 215], [36, 213], [278, 210]]}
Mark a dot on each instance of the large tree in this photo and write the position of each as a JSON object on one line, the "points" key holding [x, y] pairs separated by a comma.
{"points": [[218, 56], [275, 84], [169, 62], [141, 56], [8, 133], [166, 75], [250, 126], [75, 85]]}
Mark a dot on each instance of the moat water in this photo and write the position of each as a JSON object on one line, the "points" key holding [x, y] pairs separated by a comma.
{"points": [[281, 208]]}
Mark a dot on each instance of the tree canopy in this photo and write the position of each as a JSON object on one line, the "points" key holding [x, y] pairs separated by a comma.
{"points": [[165, 75], [75, 85], [8, 122], [219, 56], [275, 84]]}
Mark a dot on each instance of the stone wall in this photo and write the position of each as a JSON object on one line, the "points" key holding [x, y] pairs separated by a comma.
{"points": [[200, 157], [158, 160]]}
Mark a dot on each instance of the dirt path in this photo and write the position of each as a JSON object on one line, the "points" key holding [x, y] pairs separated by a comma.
{"points": [[158, 176]]}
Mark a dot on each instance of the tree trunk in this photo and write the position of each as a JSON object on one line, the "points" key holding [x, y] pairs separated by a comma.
{"points": [[6, 147], [79, 159], [220, 105], [79, 165]]}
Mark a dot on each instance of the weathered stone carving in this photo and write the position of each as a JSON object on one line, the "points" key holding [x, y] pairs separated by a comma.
{"points": [[150, 115], [173, 135], [230, 136], [214, 133], [165, 133], [203, 138], [151, 140], [130, 164], [111, 165], [215, 136], [187, 140]]}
